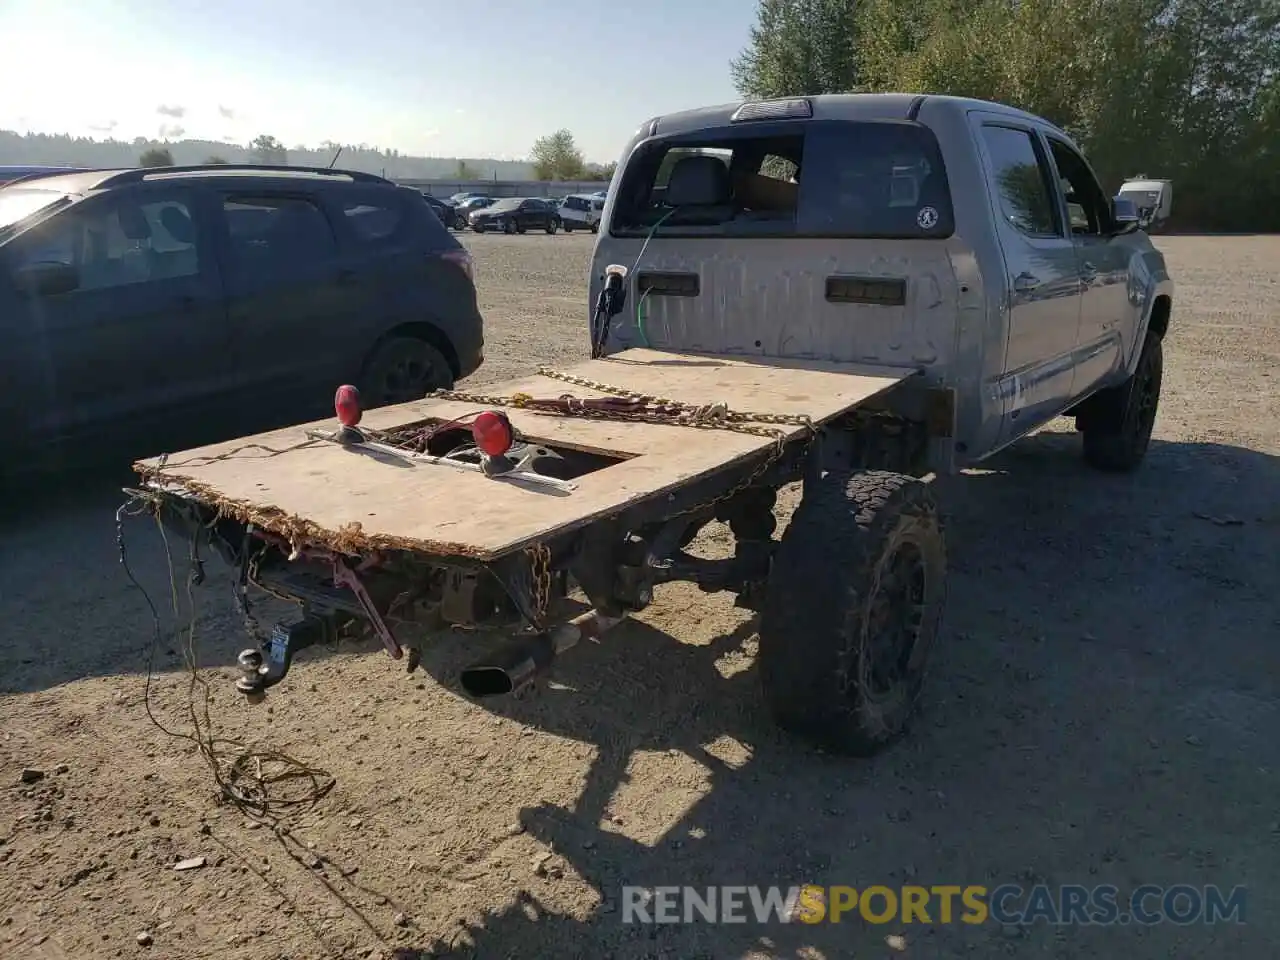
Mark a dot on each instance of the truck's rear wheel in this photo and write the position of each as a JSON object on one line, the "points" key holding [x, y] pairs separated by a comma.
{"points": [[1116, 423], [851, 610]]}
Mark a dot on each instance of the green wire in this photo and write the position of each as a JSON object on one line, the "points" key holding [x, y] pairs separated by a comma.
{"points": [[644, 337], [640, 303]]}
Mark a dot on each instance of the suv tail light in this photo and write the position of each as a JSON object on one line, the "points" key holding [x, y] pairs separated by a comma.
{"points": [[463, 261]]}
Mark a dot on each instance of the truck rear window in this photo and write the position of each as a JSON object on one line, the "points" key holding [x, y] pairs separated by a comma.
{"points": [[869, 179]]}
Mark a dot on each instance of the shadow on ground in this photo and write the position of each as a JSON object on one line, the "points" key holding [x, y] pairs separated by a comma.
{"points": [[1105, 690], [1104, 694]]}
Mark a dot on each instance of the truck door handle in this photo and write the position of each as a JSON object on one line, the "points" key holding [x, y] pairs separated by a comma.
{"points": [[1025, 282]]}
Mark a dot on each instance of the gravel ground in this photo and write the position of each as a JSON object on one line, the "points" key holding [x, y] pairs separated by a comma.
{"points": [[1103, 711]]}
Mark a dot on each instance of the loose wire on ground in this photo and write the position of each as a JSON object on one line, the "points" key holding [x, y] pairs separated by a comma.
{"points": [[261, 781]]}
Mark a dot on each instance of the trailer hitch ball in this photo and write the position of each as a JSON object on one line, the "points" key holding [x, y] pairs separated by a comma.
{"points": [[253, 672]]}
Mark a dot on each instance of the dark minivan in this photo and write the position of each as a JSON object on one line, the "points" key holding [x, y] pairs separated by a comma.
{"points": [[177, 305]]}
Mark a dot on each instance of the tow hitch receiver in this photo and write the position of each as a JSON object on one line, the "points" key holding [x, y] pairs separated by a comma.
{"points": [[264, 668]]}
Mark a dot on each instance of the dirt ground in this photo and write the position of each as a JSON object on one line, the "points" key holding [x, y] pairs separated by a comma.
{"points": [[1103, 710]]}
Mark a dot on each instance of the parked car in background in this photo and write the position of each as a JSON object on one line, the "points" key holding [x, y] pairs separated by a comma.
{"points": [[581, 211], [470, 205], [446, 214], [516, 215], [143, 308], [457, 198]]}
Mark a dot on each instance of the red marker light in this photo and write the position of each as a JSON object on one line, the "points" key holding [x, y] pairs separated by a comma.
{"points": [[493, 433], [346, 404]]}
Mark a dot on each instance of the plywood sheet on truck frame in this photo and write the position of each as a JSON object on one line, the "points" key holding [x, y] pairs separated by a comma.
{"points": [[349, 500]]}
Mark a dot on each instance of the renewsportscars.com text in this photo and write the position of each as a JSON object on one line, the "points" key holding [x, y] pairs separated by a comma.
{"points": [[1071, 905]]}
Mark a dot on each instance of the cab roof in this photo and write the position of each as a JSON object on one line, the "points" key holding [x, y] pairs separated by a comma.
{"points": [[833, 106]]}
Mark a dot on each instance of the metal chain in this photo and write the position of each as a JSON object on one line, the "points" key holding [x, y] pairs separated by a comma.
{"points": [[717, 412], [540, 589], [661, 410]]}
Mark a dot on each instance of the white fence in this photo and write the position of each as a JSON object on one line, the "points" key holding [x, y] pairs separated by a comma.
{"points": [[507, 188]]}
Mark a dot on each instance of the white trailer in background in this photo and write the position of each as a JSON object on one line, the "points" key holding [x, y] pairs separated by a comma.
{"points": [[1154, 199]]}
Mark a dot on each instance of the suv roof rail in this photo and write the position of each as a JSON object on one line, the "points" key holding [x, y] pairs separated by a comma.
{"points": [[142, 173], [51, 172]]}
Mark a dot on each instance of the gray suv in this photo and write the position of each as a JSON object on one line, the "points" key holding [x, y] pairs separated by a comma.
{"points": [[142, 307]]}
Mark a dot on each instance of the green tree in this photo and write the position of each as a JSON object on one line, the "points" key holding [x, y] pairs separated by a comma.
{"points": [[1184, 89], [800, 47], [465, 171], [156, 157], [267, 149], [602, 172], [557, 157]]}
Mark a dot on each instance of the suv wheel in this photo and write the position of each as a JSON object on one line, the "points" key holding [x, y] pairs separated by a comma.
{"points": [[553, 225], [595, 228], [403, 369], [509, 226]]}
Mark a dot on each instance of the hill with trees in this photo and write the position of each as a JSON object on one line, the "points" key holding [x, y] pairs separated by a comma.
{"points": [[40, 148]]}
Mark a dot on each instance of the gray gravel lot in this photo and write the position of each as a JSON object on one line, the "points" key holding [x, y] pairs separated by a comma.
{"points": [[1103, 711]]}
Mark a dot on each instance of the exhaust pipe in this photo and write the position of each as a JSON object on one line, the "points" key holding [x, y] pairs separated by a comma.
{"points": [[513, 665]]}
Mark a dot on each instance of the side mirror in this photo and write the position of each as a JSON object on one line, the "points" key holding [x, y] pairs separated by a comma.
{"points": [[1124, 215], [47, 279]]}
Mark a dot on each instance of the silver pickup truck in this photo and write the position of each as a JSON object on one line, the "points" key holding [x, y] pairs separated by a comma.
{"points": [[965, 240], [850, 292]]}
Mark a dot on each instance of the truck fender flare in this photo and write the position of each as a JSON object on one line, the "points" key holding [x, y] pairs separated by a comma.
{"points": [[1155, 295]]}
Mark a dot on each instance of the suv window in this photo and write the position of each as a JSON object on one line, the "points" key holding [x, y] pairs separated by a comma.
{"points": [[375, 221], [117, 241], [866, 179], [1088, 209], [1021, 181], [272, 234], [577, 203]]}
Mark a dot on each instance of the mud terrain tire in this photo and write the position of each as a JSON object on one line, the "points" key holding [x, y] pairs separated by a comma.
{"points": [[1117, 422], [851, 610]]}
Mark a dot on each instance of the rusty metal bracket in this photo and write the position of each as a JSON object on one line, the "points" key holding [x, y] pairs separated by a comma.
{"points": [[344, 576]]}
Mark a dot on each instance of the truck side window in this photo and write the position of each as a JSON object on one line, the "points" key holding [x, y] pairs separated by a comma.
{"points": [[1021, 181], [1087, 205]]}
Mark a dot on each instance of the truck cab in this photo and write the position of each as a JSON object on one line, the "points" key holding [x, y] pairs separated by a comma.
{"points": [[968, 241]]}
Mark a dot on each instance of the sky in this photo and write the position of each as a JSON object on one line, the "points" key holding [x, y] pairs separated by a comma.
{"points": [[426, 77]]}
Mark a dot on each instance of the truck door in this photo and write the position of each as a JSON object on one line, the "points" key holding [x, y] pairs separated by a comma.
{"points": [[1106, 314], [1042, 275]]}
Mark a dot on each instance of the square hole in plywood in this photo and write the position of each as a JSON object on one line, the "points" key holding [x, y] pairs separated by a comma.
{"points": [[451, 438]]}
